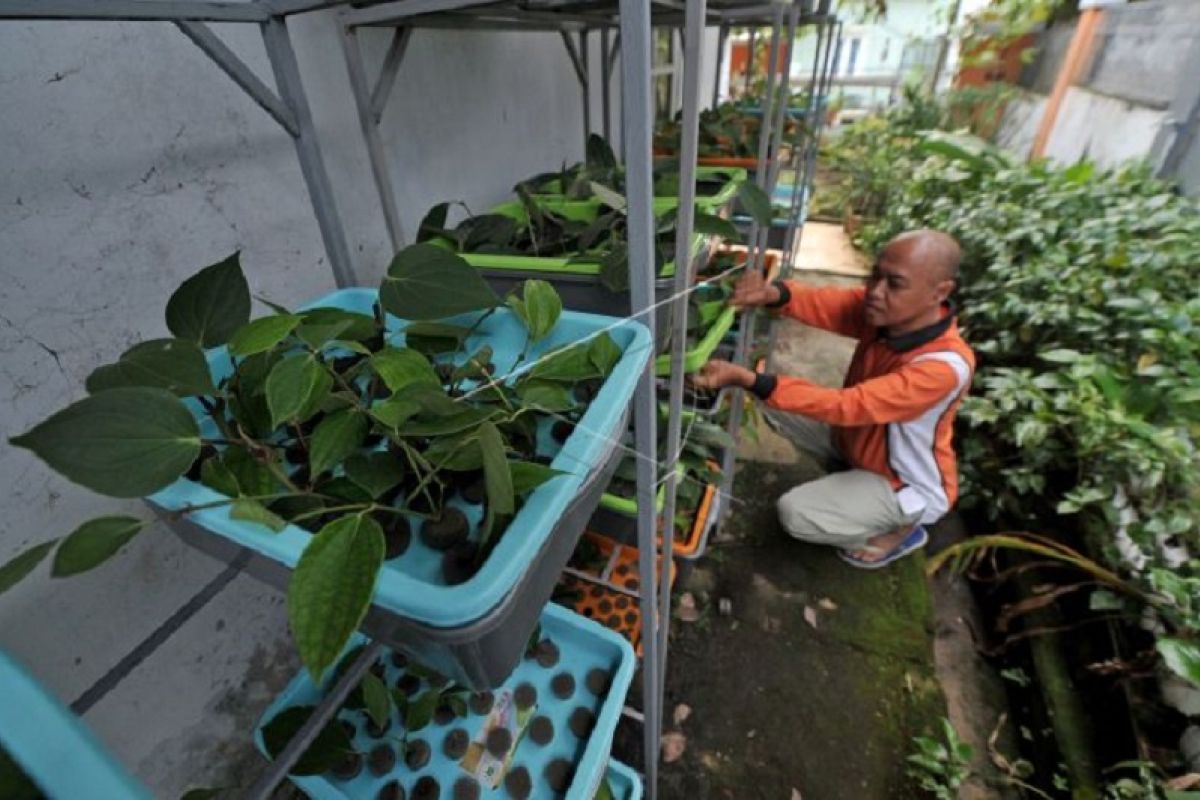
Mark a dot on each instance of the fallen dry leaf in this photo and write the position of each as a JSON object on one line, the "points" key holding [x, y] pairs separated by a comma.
{"points": [[687, 608], [673, 745], [828, 605], [796, 794], [771, 624], [710, 761], [724, 606], [810, 616], [682, 712], [750, 734]]}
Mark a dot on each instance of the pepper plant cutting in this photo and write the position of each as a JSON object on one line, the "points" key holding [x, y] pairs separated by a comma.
{"points": [[346, 424]]}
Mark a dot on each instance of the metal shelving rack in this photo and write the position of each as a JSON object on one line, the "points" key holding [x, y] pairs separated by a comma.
{"points": [[623, 27]]}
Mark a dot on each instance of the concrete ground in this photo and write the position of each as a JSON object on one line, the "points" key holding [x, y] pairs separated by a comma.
{"points": [[803, 677]]}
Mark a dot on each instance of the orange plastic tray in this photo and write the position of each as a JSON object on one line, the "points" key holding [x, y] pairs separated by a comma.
{"points": [[773, 259], [611, 596], [744, 162]]}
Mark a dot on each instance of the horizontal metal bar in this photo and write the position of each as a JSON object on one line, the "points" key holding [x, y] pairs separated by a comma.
{"points": [[242, 75], [134, 10], [402, 10]]}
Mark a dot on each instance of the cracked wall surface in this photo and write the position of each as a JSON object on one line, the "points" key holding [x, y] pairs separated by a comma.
{"points": [[127, 162]]}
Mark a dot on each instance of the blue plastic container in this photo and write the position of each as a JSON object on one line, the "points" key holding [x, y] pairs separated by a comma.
{"points": [[624, 782], [583, 645], [471, 632], [52, 746]]}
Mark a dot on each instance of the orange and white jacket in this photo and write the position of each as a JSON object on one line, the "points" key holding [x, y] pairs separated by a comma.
{"points": [[895, 414]]}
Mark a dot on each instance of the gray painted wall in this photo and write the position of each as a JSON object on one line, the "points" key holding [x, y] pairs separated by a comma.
{"points": [[1131, 101], [127, 162]]}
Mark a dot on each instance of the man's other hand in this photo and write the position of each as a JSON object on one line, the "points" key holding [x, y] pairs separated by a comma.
{"points": [[753, 290], [718, 374]]}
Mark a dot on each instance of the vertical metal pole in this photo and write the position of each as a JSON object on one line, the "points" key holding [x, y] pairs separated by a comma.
{"points": [[291, 91], [754, 257], [605, 86], [635, 96], [370, 128], [722, 43], [690, 138], [585, 85]]}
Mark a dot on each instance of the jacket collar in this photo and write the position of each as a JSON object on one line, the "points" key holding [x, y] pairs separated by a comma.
{"points": [[914, 339]]}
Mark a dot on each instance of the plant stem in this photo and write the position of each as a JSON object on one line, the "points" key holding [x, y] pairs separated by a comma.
{"points": [[188, 509]]}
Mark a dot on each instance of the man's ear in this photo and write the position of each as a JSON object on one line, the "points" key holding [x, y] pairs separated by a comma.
{"points": [[944, 289]]}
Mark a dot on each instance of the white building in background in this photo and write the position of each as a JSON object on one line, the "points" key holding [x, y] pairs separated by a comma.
{"points": [[877, 57]]}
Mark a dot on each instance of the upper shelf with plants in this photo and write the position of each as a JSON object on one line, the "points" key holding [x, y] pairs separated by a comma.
{"points": [[391, 446]]}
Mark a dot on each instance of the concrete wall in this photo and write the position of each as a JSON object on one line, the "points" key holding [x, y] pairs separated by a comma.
{"points": [[127, 162], [1131, 101]]}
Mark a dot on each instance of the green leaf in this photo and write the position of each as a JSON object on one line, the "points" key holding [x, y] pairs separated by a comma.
{"points": [[604, 353], [93, 543], [420, 711], [120, 442], [1181, 657], [543, 307], [378, 700], [395, 411], [375, 472], [217, 476], [427, 282], [546, 395], [755, 201], [572, 363], [529, 475], [609, 197], [322, 324], [262, 334], [176, 365], [604, 791], [614, 269], [433, 223], [330, 745], [253, 511], [462, 420], [1061, 356], [331, 589], [456, 453], [295, 385], [401, 367], [336, 437], [209, 306], [253, 477], [495, 470], [598, 154], [22, 564], [712, 225]]}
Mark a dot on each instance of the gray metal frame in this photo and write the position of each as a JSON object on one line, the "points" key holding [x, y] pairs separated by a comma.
{"points": [[631, 22]]}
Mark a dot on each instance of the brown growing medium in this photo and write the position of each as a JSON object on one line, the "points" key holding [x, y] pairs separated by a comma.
{"points": [[498, 741], [392, 790], [597, 681], [546, 653], [466, 788], [581, 722], [563, 685], [446, 531], [558, 774], [525, 696], [541, 730], [481, 702], [397, 538], [399, 660], [382, 760], [426, 789], [416, 755], [443, 714], [518, 783], [409, 684], [454, 746], [348, 767]]}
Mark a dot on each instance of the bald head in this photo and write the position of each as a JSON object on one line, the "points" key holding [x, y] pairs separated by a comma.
{"points": [[933, 252]]}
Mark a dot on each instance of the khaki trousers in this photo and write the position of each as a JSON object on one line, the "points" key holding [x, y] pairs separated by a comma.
{"points": [[844, 508]]}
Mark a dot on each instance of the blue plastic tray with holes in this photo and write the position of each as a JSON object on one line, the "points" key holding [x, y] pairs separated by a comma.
{"points": [[411, 586], [624, 782], [583, 645], [52, 747]]}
